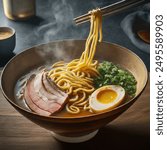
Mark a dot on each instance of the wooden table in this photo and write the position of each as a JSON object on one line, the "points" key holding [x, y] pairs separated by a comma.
{"points": [[128, 132]]}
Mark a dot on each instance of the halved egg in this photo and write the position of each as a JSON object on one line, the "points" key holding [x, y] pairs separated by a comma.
{"points": [[106, 97]]}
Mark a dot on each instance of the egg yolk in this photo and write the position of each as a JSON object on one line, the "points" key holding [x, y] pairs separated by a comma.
{"points": [[106, 96]]}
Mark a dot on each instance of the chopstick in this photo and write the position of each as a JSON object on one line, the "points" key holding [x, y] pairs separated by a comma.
{"points": [[111, 9]]}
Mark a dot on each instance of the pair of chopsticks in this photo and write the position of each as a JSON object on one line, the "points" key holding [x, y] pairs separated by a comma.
{"points": [[111, 9]]}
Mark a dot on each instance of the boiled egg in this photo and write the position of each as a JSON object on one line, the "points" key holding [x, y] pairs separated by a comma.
{"points": [[106, 97]]}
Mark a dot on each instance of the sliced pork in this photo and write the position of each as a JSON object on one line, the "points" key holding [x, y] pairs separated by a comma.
{"points": [[42, 97]]}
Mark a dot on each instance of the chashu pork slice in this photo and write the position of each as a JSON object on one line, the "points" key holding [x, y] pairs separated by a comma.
{"points": [[52, 88], [31, 104], [41, 97]]}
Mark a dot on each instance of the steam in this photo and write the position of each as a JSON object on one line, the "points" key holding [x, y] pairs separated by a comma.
{"points": [[63, 16], [58, 21], [58, 24]]}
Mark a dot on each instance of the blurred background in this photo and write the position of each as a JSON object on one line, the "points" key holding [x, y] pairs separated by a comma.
{"points": [[54, 21]]}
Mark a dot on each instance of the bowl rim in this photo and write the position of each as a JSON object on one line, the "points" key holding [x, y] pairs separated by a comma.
{"points": [[80, 117]]}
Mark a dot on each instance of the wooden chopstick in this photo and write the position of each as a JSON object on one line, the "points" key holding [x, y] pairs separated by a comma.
{"points": [[111, 9]]}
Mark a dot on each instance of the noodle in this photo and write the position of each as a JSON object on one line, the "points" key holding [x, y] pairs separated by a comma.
{"points": [[75, 77]]}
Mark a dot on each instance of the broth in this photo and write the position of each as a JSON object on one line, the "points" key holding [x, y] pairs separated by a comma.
{"points": [[5, 35], [63, 113]]}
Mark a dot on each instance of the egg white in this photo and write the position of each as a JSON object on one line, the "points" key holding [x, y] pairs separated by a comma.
{"points": [[96, 106]]}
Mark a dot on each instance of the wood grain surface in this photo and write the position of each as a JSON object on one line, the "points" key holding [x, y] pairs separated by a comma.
{"points": [[130, 131]]}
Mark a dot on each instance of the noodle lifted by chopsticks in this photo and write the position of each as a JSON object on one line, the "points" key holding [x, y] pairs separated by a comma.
{"points": [[75, 77]]}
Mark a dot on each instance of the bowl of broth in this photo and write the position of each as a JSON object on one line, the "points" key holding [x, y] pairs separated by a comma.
{"points": [[75, 115]]}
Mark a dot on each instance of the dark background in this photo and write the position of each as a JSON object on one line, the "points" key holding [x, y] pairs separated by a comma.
{"points": [[53, 21]]}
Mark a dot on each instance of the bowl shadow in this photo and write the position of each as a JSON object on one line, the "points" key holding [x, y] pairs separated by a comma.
{"points": [[111, 138]]}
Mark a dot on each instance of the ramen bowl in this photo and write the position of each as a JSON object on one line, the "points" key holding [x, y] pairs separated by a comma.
{"points": [[70, 129]]}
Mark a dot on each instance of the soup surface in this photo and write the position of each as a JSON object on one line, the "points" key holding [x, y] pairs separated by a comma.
{"points": [[5, 34], [108, 96]]}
